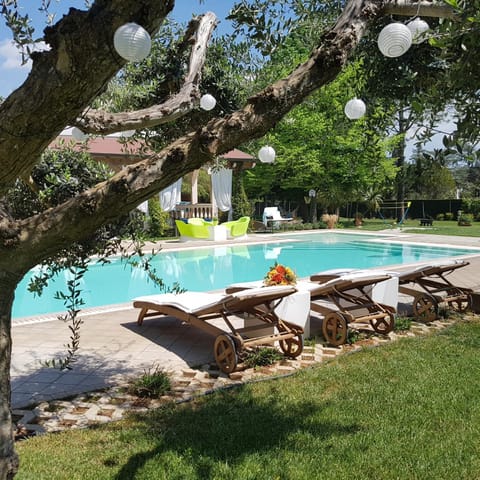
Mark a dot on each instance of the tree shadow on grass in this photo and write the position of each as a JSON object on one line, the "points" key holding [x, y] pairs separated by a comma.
{"points": [[224, 430]]}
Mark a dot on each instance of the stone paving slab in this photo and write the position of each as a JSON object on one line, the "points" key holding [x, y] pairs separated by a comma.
{"points": [[102, 406]]}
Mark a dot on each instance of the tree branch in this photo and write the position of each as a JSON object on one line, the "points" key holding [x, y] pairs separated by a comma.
{"points": [[80, 216], [76, 219], [77, 68], [101, 122], [64, 80], [421, 8]]}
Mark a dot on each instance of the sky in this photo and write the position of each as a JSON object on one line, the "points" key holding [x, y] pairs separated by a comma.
{"points": [[13, 74]]}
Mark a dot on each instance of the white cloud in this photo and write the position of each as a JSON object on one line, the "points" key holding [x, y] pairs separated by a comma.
{"points": [[10, 57], [12, 72]]}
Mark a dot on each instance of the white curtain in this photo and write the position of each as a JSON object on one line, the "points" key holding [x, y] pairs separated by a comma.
{"points": [[171, 195], [222, 188]]}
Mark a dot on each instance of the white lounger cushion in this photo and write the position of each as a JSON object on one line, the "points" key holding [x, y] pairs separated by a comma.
{"points": [[192, 302], [440, 263], [189, 302], [260, 291]]}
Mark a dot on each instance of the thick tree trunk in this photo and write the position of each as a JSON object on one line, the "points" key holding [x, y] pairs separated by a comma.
{"points": [[67, 78], [8, 456]]}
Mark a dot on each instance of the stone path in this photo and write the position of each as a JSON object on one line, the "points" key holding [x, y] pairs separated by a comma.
{"points": [[113, 403]]}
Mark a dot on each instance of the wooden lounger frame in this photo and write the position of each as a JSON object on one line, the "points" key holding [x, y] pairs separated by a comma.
{"points": [[435, 289], [347, 301], [343, 301], [230, 346]]}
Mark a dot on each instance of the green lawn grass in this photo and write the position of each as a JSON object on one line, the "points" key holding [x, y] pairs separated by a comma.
{"points": [[443, 227], [407, 410]]}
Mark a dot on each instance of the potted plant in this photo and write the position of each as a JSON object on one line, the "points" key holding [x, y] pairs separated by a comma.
{"points": [[465, 220], [358, 219]]}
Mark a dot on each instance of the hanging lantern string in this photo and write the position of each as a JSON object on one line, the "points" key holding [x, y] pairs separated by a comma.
{"points": [[418, 9], [417, 15]]}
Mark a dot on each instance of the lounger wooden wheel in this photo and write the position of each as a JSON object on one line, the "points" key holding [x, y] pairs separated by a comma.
{"points": [[383, 325], [292, 347], [425, 308], [225, 353], [334, 328], [461, 304]]}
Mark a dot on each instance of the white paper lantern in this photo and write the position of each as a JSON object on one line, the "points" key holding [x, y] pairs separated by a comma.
{"points": [[207, 102], [132, 42], [394, 40], [355, 109], [266, 154], [78, 135], [418, 28]]}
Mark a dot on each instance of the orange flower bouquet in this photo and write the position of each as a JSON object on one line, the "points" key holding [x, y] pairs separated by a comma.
{"points": [[280, 275]]}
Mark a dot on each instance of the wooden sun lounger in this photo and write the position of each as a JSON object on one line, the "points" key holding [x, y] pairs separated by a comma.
{"points": [[435, 289], [346, 299], [342, 297], [198, 308]]}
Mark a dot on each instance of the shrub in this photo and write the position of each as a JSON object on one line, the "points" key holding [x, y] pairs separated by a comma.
{"points": [[402, 324], [449, 216], [153, 383], [440, 216], [158, 218], [240, 204], [330, 219], [471, 205], [352, 336], [262, 357], [465, 219]]}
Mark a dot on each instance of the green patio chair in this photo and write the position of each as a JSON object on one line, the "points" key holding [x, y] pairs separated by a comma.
{"points": [[202, 221], [237, 228], [190, 230]]}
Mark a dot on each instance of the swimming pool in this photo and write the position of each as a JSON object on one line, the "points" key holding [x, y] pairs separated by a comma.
{"points": [[213, 268]]}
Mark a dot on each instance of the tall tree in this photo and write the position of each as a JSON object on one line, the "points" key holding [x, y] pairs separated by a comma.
{"points": [[404, 86], [457, 44], [67, 78], [319, 148], [428, 176]]}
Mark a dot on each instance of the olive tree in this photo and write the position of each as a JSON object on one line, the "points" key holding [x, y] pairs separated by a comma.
{"points": [[61, 87]]}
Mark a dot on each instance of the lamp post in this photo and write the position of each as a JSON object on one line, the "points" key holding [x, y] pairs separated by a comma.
{"points": [[313, 205]]}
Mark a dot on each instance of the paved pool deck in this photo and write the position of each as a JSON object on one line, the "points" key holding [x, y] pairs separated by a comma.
{"points": [[113, 347]]}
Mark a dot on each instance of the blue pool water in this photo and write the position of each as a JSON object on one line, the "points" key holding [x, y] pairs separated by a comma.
{"points": [[213, 268]]}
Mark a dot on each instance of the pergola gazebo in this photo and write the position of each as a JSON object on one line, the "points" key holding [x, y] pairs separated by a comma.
{"points": [[116, 154]]}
